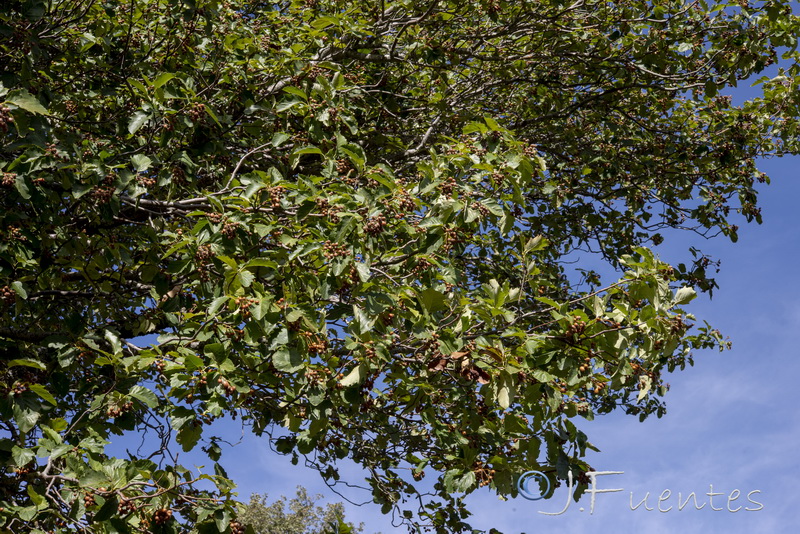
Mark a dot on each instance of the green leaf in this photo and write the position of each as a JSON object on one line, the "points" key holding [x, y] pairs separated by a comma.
{"points": [[492, 124], [23, 99], [137, 121], [294, 91], [36, 499], [162, 78], [144, 395], [505, 391], [27, 513], [287, 360], [324, 22], [356, 376], [19, 289], [222, 518], [684, 295], [192, 362], [459, 482], [279, 138], [22, 457], [188, 436], [27, 362], [141, 162], [432, 300], [245, 278], [307, 150], [26, 414], [216, 304], [216, 350], [22, 187], [180, 417], [711, 88], [43, 393], [287, 104], [108, 509]]}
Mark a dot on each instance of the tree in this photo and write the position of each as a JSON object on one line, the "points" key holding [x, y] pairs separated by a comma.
{"points": [[304, 516], [357, 222]]}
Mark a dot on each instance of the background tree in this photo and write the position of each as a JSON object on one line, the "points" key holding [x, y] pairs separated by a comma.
{"points": [[356, 221], [304, 516]]}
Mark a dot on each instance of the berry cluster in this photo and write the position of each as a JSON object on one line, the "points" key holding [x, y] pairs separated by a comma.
{"points": [[145, 181], [102, 193], [9, 179], [162, 516], [20, 472], [561, 386], [227, 386], [452, 236], [168, 123], [483, 473], [405, 202], [677, 326], [234, 333], [598, 387], [497, 178], [229, 229], [276, 195], [314, 375], [332, 212], [667, 273], [197, 112], [116, 411], [314, 72], [333, 250], [342, 166], [448, 186], [369, 351], [577, 327], [421, 267], [5, 117], [244, 304], [530, 151], [202, 380], [203, 254], [204, 419], [51, 150], [237, 528], [126, 507], [483, 210], [314, 343], [179, 176], [375, 225], [7, 295]]}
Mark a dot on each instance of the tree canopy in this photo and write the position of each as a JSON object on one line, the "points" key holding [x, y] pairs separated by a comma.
{"points": [[368, 229], [304, 516]]}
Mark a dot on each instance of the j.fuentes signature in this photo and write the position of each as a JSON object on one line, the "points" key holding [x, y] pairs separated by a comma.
{"points": [[662, 503]]}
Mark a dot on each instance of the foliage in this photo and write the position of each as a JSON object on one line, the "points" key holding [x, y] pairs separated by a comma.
{"points": [[356, 222], [303, 517]]}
